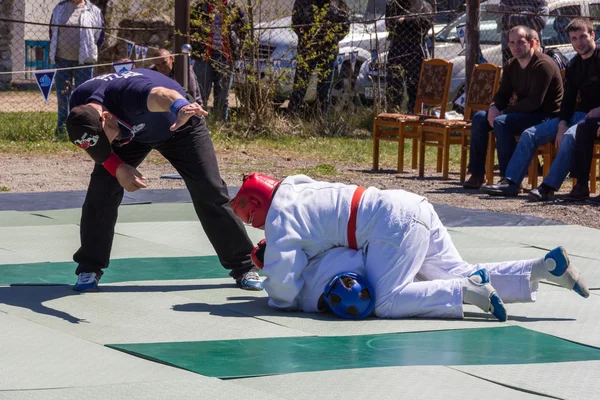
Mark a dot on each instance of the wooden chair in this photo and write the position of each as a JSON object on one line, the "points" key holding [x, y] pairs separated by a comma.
{"points": [[393, 127], [484, 84], [593, 169], [439, 132]]}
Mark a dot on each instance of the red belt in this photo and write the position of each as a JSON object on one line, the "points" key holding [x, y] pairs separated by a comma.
{"points": [[352, 220]]}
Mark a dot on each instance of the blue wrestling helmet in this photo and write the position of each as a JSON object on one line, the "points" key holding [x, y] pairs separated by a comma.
{"points": [[350, 296]]}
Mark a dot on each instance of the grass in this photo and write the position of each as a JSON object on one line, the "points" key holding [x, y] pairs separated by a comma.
{"points": [[341, 138]]}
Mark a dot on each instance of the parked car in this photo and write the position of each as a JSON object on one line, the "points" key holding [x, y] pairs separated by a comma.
{"points": [[367, 43], [447, 43], [276, 50]]}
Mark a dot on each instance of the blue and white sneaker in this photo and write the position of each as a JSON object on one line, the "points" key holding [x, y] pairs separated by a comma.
{"points": [[250, 281], [87, 282], [480, 292], [564, 273]]}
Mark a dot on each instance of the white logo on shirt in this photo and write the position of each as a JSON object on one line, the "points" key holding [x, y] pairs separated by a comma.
{"points": [[136, 128], [120, 75]]}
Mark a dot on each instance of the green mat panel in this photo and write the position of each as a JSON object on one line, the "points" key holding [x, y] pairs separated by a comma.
{"points": [[162, 212], [271, 356], [16, 218], [121, 270]]}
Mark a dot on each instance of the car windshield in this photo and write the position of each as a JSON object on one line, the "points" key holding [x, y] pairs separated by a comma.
{"points": [[365, 10], [488, 29], [553, 34]]}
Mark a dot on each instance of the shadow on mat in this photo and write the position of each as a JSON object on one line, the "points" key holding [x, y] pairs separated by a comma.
{"points": [[258, 307], [34, 297]]}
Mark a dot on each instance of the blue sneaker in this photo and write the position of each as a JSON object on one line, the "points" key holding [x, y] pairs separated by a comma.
{"points": [[87, 282], [564, 273], [250, 281], [480, 292]]}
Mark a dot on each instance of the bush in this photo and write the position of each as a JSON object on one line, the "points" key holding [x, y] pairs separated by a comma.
{"points": [[27, 126]]}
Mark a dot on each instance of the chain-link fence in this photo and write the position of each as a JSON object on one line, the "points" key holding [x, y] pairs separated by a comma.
{"points": [[261, 57]]}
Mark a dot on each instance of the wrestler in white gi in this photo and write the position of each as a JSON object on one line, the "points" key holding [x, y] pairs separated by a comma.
{"points": [[409, 257]]}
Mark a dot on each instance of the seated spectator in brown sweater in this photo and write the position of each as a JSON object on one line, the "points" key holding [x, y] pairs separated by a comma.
{"points": [[535, 80], [583, 77]]}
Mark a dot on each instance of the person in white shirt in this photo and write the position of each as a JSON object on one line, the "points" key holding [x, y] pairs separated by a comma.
{"points": [[408, 255]]}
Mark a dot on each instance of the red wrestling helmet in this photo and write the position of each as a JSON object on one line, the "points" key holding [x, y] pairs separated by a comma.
{"points": [[252, 202]]}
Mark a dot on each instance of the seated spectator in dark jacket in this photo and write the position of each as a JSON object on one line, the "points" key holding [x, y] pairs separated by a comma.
{"points": [[583, 77]]}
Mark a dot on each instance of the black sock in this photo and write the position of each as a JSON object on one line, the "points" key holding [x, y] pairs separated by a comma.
{"points": [[547, 188]]}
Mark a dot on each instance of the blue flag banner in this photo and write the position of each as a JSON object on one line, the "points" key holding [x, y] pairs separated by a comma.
{"points": [[124, 66], [137, 51], [339, 62], [129, 48], [144, 51], [44, 81], [461, 31], [353, 56]]}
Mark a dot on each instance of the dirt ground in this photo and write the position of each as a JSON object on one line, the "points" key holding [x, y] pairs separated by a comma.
{"points": [[70, 171]]}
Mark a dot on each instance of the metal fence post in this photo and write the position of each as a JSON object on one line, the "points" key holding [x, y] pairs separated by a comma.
{"points": [[471, 39], [182, 36]]}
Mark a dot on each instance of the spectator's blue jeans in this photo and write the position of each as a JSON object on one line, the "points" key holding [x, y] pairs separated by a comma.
{"points": [[536, 136], [505, 125], [507, 130], [216, 74], [66, 81]]}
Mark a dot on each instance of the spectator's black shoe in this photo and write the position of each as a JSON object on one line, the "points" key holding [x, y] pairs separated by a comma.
{"points": [[503, 188], [474, 182], [594, 200], [540, 193], [578, 193]]}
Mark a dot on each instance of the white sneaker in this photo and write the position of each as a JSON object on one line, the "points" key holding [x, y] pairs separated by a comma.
{"points": [[250, 280], [478, 291], [564, 273], [86, 282]]}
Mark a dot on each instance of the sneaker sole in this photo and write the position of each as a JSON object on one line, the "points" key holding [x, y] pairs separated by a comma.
{"points": [[498, 310], [252, 288], [84, 290]]}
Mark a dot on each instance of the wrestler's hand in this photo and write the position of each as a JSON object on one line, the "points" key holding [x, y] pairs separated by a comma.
{"points": [[258, 254], [130, 178], [186, 113]]}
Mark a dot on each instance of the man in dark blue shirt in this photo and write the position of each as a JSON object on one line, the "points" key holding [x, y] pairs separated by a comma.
{"points": [[118, 119]]}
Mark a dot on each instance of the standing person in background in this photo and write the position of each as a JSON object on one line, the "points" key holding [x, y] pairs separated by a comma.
{"points": [[320, 25], [218, 30], [72, 44], [408, 36], [165, 65], [529, 13]]}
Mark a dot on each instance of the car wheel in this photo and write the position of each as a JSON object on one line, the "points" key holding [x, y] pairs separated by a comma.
{"points": [[343, 96]]}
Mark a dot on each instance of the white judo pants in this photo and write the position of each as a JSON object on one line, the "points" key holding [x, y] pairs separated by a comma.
{"points": [[421, 276]]}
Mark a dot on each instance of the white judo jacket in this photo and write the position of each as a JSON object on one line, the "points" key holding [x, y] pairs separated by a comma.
{"points": [[307, 217], [404, 251]]}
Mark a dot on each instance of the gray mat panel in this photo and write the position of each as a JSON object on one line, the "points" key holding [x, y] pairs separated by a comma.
{"points": [[36, 357], [562, 380], [193, 388], [140, 312], [392, 383]]}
